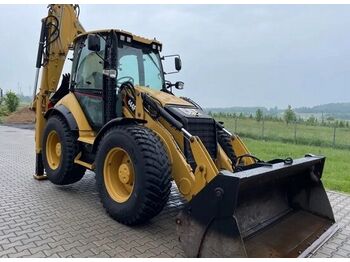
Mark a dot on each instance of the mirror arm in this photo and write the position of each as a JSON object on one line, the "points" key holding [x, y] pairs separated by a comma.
{"points": [[174, 72], [165, 56]]}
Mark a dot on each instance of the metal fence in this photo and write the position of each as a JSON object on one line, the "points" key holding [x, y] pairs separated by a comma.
{"points": [[298, 133]]}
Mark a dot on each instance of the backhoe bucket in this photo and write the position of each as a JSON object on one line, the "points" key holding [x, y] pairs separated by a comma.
{"points": [[280, 210]]}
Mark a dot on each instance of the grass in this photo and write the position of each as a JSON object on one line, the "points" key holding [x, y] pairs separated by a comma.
{"points": [[280, 131], [336, 175], [279, 142]]}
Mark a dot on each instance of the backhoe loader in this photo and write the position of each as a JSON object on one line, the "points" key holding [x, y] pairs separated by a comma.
{"points": [[116, 115]]}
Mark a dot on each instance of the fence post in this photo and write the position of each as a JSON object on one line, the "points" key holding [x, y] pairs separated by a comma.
{"points": [[235, 125], [295, 132], [335, 127]]}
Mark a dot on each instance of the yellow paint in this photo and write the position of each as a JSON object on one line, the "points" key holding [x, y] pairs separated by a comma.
{"points": [[72, 104], [82, 163], [119, 172], [119, 175], [87, 139], [178, 136], [162, 97], [240, 149], [206, 169], [223, 162], [85, 164], [53, 150], [180, 169], [70, 27]]}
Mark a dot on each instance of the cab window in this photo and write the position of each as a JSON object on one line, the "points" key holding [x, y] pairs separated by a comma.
{"points": [[88, 79], [89, 72]]}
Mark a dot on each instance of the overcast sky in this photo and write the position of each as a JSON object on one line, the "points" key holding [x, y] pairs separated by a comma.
{"points": [[237, 55]]}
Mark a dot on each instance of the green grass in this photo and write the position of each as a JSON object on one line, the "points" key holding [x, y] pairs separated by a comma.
{"points": [[280, 131], [336, 175], [279, 142]]}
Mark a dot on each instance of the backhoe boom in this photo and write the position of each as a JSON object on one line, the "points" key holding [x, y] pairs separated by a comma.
{"points": [[58, 31]]}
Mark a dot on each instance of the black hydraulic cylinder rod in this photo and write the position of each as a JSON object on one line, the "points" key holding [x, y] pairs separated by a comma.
{"points": [[178, 125], [39, 56], [148, 101], [39, 167], [41, 44]]}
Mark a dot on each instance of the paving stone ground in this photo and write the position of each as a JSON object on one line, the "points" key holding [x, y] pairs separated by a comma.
{"points": [[39, 219]]}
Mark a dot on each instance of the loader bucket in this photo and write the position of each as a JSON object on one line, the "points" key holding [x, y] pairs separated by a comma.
{"points": [[280, 210]]}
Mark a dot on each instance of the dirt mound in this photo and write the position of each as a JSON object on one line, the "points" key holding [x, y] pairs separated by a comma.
{"points": [[22, 116]]}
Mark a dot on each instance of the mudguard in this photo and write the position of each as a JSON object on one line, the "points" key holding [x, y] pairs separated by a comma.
{"points": [[65, 113]]}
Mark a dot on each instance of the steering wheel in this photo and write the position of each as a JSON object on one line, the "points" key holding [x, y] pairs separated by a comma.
{"points": [[127, 79]]}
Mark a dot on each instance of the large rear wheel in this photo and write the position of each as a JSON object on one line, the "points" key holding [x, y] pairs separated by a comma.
{"points": [[132, 174], [59, 150]]}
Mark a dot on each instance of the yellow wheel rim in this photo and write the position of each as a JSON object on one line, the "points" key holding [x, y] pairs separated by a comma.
{"points": [[119, 175], [53, 150]]}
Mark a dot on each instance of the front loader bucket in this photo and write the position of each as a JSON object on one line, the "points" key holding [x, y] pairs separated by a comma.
{"points": [[281, 210]]}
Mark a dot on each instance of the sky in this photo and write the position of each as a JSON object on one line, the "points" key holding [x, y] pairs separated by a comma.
{"points": [[232, 55]]}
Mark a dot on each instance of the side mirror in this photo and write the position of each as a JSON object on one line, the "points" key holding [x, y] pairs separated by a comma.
{"points": [[178, 63], [94, 43]]}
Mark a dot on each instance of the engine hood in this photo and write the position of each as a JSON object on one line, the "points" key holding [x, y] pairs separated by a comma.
{"points": [[163, 98]]}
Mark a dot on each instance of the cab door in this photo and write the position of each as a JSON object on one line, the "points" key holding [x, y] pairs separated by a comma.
{"points": [[87, 80]]}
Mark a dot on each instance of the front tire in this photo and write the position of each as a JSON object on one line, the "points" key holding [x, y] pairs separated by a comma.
{"points": [[224, 140], [132, 174], [59, 150]]}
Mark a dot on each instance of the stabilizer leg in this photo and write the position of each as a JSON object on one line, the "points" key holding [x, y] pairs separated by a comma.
{"points": [[39, 168]]}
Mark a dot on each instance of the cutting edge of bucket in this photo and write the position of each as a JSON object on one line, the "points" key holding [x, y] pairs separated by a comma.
{"points": [[316, 245]]}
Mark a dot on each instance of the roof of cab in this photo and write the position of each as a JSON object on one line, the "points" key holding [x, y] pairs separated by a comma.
{"points": [[134, 37]]}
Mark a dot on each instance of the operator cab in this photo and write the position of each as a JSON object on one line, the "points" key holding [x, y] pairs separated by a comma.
{"points": [[104, 60]]}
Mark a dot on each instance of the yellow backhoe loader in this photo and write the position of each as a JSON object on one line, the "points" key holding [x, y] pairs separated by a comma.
{"points": [[116, 115]]}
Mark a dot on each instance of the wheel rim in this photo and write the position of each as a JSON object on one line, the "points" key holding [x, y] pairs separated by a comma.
{"points": [[53, 150], [119, 175]]}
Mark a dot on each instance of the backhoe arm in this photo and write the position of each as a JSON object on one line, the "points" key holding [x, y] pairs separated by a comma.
{"points": [[58, 31]]}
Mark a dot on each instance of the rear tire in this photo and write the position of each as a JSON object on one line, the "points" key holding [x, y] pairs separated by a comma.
{"points": [[59, 150], [137, 201], [225, 142]]}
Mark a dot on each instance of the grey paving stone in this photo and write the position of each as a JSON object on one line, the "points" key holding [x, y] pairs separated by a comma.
{"points": [[39, 254], [8, 251], [20, 254], [31, 240], [39, 219], [28, 246]]}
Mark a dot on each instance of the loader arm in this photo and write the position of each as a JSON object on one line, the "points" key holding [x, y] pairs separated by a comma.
{"points": [[58, 31], [190, 181], [277, 208]]}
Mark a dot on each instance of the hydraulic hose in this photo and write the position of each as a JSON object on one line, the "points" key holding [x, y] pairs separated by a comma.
{"points": [[148, 102]]}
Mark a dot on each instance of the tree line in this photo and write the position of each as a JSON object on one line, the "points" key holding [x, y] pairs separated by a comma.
{"points": [[289, 117]]}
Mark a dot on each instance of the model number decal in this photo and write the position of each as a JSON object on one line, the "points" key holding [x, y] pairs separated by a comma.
{"points": [[131, 105]]}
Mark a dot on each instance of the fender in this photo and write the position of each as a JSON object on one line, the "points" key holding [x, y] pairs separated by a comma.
{"points": [[114, 122], [64, 112]]}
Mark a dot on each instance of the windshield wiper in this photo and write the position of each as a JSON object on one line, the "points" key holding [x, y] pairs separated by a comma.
{"points": [[154, 62]]}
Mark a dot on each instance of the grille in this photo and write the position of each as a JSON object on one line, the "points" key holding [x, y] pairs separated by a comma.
{"points": [[205, 129]]}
